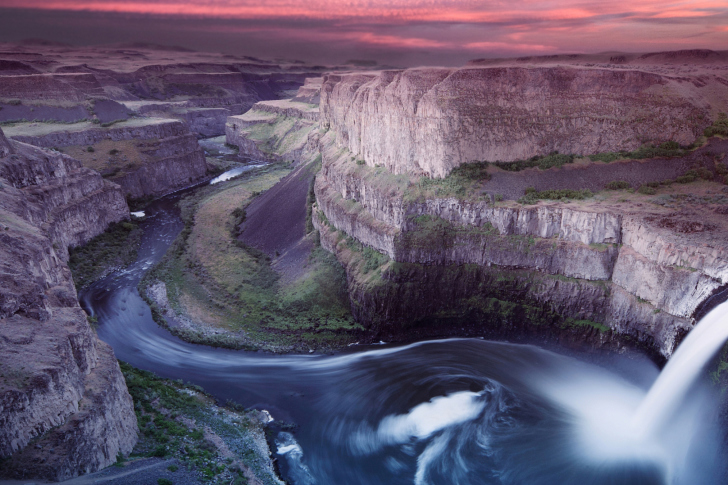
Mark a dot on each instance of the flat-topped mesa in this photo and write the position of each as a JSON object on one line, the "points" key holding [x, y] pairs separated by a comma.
{"points": [[428, 121], [145, 156]]}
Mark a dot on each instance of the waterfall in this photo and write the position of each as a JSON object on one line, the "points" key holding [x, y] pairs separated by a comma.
{"points": [[682, 371]]}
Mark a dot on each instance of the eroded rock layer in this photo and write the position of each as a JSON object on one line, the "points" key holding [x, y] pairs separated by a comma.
{"points": [[630, 271], [166, 155], [64, 407], [430, 120]]}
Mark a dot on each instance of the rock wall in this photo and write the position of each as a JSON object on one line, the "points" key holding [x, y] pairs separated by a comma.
{"points": [[64, 407], [430, 120], [280, 130], [655, 278], [170, 159]]}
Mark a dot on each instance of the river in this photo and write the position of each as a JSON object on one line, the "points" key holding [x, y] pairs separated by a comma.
{"points": [[457, 411]]}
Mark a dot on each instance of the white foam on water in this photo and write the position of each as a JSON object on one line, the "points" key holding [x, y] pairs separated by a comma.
{"points": [[234, 173], [138, 214], [428, 418], [284, 449]]}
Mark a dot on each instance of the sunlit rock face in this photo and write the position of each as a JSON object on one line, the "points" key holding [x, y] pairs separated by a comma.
{"points": [[59, 386], [431, 120]]}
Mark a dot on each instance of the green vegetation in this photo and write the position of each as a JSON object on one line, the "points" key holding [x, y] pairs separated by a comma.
{"points": [[226, 284], [719, 126], [618, 185], [116, 247], [532, 195], [464, 179], [554, 159], [666, 150], [180, 420], [571, 322], [647, 190]]}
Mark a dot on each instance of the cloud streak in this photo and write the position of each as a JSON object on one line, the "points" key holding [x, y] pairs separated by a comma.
{"points": [[453, 28]]}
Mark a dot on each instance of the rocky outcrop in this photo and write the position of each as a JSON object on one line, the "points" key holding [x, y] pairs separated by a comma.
{"points": [[310, 92], [428, 120], [275, 130], [64, 407], [169, 156], [653, 278]]}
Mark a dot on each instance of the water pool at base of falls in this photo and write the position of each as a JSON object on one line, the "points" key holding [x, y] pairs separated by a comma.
{"points": [[457, 411]]}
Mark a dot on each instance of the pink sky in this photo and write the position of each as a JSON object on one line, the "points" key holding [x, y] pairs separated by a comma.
{"points": [[459, 28]]}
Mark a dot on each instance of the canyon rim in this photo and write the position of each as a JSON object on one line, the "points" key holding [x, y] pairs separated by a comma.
{"points": [[240, 267]]}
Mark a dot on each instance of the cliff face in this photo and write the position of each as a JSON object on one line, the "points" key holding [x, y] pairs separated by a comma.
{"points": [[275, 130], [165, 155], [60, 386], [428, 121], [628, 270]]}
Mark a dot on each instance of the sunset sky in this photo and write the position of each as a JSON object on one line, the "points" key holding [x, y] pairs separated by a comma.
{"points": [[403, 32]]}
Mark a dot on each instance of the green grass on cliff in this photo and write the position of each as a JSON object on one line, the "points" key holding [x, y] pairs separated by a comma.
{"points": [[532, 195], [114, 248], [178, 420]]}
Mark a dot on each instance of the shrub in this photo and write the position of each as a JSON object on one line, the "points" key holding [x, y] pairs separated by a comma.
{"points": [[498, 197], [159, 452], [618, 185], [564, 194], [113, 151], [554, 159], [90, 149], [704, 173], [164, 481], [719, 126], [670, 145], [685, 179], [605, 157], [647, 190]]}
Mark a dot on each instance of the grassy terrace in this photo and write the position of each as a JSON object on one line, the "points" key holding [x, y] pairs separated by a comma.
{"points": [[275, 134], [469, 181], [37, 128], [213, 279]]}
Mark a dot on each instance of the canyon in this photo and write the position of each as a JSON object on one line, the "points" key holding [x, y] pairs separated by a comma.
{"points": [[573, 199]]}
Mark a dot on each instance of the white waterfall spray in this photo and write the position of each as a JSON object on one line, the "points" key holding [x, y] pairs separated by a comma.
{"points": [[682, 371]]}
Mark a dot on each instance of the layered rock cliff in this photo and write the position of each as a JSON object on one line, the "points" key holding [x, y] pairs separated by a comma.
{"points": [[162, 154], [64, 407], [631, 269], [429, 120], [275, 130]]}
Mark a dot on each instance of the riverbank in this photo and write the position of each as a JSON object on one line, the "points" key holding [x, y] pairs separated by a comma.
{"points": [[211, 443], [213, 289]]}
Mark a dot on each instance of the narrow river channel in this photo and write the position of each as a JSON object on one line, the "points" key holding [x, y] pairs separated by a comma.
{"points": [[458, 411]]}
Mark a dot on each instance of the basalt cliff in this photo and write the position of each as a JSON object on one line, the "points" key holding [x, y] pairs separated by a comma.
{"points": [[64, 406], [460, 251], [147, 157], [428, 121]]}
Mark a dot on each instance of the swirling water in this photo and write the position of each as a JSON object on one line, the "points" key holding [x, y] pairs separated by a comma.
{"points": [[457, 411]]}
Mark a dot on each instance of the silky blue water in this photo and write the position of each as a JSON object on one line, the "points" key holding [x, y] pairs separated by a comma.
{"points": [[457, 411]]}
